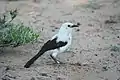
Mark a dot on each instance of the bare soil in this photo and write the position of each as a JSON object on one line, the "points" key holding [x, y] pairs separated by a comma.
{"points": [[93, 54]]}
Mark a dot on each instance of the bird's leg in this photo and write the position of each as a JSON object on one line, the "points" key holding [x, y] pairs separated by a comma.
{"points": [[56, 61], [53, 57]]}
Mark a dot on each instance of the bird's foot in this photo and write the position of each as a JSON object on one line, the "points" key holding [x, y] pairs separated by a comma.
{"points": [[59, 62], [56, 61]]}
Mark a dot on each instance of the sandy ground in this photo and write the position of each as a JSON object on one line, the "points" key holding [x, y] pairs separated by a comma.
{"points": [[92, 57]]}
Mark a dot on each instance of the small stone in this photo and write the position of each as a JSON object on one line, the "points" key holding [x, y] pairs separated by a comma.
{"points": [[112, 54], [118, 78], [104, 68], [110, 22], [78, 30], [93, 11], [53, 30], [103, 37], [67, 59], [44, 74], [59, 78], [56, 28], [1, 62], [96, 55], [55, 72], [78, 64]]}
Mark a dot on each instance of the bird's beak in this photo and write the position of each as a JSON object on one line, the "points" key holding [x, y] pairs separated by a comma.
{"points": [[77, 25]]}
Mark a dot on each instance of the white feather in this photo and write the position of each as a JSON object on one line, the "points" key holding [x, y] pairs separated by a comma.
{"points": [[64, 35]]}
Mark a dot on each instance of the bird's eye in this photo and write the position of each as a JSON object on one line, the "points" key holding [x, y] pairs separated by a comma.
{"points": [[68, 25]]}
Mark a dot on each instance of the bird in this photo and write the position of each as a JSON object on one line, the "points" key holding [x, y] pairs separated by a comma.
{"points": [[59, 43]]}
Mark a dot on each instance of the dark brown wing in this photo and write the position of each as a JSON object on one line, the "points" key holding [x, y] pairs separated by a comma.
{"points": [[53, 44]]}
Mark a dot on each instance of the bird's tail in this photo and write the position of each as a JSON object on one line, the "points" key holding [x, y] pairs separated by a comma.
{"points": [[32, 60]]}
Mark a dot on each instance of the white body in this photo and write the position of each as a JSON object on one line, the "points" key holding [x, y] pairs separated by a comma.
{"points": [[65, 35]]}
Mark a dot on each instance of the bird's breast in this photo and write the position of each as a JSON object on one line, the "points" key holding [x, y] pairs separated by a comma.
{"points": [[64, 38]]}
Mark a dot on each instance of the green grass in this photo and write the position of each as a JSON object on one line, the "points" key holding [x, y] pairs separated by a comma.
{"points": [[12, 34]]}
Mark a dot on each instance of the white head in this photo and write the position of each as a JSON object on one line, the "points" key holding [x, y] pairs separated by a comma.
{"points": [[67, 27]]}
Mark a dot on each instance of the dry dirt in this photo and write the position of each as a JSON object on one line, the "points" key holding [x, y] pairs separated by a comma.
{"points": [[91, 57]]}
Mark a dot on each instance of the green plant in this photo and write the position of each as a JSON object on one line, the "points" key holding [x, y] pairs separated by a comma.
{"points": [[12, 34]]}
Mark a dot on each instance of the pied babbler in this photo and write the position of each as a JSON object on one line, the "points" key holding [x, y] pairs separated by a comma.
{"points": [[59, 43]]}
